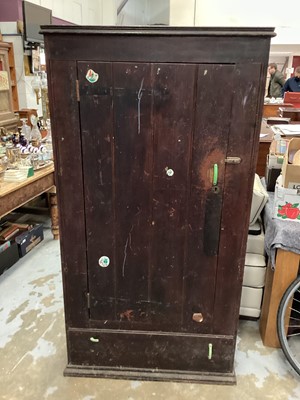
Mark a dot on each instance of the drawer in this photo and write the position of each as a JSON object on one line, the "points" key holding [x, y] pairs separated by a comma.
{"points": [[109, 349]]}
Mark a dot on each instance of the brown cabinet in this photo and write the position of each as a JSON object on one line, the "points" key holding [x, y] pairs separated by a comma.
{"points": [[13, 77], [156, 135], [7, 87]]}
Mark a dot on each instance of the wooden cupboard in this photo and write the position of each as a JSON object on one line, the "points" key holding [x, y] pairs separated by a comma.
{"points": [[156, 134]]}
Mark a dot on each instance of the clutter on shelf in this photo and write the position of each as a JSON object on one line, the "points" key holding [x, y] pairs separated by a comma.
{"points": [[25, 150]]}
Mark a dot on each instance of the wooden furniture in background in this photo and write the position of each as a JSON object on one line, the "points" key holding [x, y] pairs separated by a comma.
{"points": [[272, 110], [277, 281], [13, 77], [152, 246], [7, 118], [26, 113], [13, 195], [264, 146], [288, 112]]}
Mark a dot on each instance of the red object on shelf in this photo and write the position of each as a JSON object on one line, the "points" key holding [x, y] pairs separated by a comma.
{"points": [[293, 98]]}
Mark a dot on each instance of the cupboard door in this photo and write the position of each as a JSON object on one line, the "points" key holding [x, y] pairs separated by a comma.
{"points": [[152, 136]]}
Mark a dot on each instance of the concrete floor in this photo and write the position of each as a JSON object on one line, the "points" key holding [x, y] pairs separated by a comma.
{"points": [[33, 348]]}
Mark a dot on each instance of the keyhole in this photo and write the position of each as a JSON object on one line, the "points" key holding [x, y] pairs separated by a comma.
{"points": [[215, 189]]}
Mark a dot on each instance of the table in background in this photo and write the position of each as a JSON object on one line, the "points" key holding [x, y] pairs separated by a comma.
{"points": [[264, 145], [15, 194], [282, 242], [271, 110]]}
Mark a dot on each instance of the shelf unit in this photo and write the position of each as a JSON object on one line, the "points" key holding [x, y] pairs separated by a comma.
{"points": [[12, 72], [8, 120]]}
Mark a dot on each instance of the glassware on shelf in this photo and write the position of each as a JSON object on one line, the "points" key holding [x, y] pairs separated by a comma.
{"points": [[13, 154], [44, 96], [35, 161], [3, 166], [48, 140], [44, 82], [36, 86], [35, 134], [25, 130], [48, 128]]}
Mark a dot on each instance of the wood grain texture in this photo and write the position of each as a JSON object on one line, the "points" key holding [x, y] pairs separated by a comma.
{"points": [[97, 144], [161, 351], [15, 194], [173, 105], [133, 171], [176, 100], [158, 49], [209, 147], [69, 182], [243, 143], [277, 281]]}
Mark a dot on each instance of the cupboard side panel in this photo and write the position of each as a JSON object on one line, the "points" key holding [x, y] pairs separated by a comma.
{"points": [[69, 182]]}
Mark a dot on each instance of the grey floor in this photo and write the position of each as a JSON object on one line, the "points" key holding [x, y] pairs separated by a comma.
{"points": [[33, 348]]}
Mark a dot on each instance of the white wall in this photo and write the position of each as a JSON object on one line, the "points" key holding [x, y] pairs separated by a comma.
{"points": [[133, 13], [158, 12], [144, 12], [82, 12], [241, 13], [284, 17], [254, 13], [182, 12]]}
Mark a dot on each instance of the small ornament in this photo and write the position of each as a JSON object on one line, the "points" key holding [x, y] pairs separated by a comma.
{"points": [[92, 76]]}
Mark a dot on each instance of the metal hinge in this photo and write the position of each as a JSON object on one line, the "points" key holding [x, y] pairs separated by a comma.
{"points": [[88, 300], [232, 160], [77, 90]]}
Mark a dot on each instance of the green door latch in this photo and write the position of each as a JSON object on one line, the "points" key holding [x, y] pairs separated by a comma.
{"points": [[215, 175]]}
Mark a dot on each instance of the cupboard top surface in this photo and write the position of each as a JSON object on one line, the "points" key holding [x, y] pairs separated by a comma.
{"points": [[160, 31]]}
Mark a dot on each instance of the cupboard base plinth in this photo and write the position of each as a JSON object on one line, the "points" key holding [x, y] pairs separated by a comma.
{"points": [[150, 375]]}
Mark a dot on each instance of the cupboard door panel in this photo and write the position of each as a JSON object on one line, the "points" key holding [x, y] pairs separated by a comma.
{"points": [[173, 109], [244, 141], [97, 150], [132, 107], [210, 143], [116, 130], [157, 211]]}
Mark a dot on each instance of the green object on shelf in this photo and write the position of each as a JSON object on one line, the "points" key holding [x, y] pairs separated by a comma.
{"points": [[30, 172]]}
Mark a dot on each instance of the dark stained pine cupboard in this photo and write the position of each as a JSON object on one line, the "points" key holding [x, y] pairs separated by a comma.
{"points": [[156, 134]]}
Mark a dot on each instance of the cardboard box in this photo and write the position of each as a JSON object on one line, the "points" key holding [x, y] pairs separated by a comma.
{"points": [[9, 257], [29, 239], [290, 172], [286, 203]]}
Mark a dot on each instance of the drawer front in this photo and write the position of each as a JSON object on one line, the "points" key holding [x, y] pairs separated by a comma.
{"points": [[159, 351]]}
